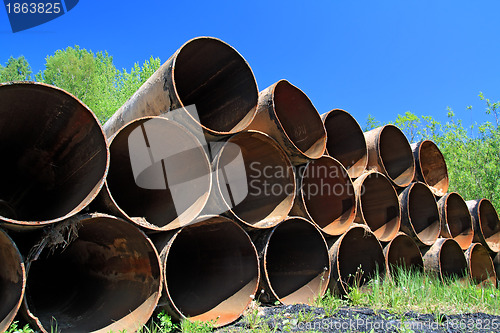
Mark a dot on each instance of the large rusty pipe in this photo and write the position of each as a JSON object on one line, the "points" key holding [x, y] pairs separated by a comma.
{"points": [[211, 270], [420, 214], [402, 253], [456, 221], [480, 266], [378, 205], [445, 259], [288, 115], [54, 152], [254, 181], [12, 280], [345, 141], [486, 224], [153, 161], [390, 153], [106, 277], [356, 257], [430, 166], [204, 72], [325, 183], [294, 261]]}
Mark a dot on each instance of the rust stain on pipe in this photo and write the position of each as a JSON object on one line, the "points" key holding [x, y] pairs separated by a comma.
{"points": [[211, 270], [254, 181], [430, 166], [12, 280], [420, 214], [205, 72], [390, 153], [486, 224], [402, 253], [288, 115], [107, 279], [480, 266], [446, 259], [325, 183], [456, 221], [345, 141], [56, 152], [153, 161], [378, 205], [356, 257], [294, 261]]}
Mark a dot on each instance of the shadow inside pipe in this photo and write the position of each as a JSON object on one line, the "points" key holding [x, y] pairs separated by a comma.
{"points": [[490, 225], [481, 266], [396, 155], [452, 261], [433, 166], [423, 213]]}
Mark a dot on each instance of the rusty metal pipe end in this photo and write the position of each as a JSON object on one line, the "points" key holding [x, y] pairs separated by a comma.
{"points": [[345, 141], [390, 153], [420, 214], [295, 265], [456, 220], [430, 166], [377, 205], [211, 270], [356, 257], [480, 266], [402, 253], [486, 224], [446, 259]]}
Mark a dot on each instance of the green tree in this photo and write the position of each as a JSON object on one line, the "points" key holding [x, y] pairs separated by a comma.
{"points": [[16, 69]]}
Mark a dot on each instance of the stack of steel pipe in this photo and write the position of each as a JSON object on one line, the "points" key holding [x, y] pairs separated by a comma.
{"points": [[201, 194]]}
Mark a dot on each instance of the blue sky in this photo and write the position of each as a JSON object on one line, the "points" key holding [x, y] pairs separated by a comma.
{"points": [[367, 57]]}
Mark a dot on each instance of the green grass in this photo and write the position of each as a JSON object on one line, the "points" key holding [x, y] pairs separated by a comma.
{"points": [[409, 291]]}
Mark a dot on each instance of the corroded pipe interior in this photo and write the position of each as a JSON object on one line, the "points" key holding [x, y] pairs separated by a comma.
{"points": [[211, 271], [402, 253], [12, 280], [396, 155], [452, 261], [215, 78], [345, 141], [481, 268], [379, 206], [325, 183], [432, 165], [423, 213], [359, 257], [108, 279], [296, 262], [458, 219], [153, 162], [263, 193], [299, 119], [54, 152], [490, 224]]}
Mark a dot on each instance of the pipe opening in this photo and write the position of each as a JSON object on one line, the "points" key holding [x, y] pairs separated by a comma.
{"points": [[148, 175], [380, 206], [216, 78], [459, 220], [433, 167], [490, 225], [346, 142], [106, 279], [299, 119], [325, 183], [452, 260], [481, 268], [12, 280], [396, 155], [403, 254], [263, 194], [56, 152], [359, 258], [423, 213], [211, 271], [296, 262]]}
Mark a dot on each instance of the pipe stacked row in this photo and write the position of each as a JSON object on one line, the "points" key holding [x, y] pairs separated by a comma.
{"points": [[216, 195]]}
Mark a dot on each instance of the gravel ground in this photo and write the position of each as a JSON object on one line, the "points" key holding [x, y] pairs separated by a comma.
{"points": [[304, 318]]}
